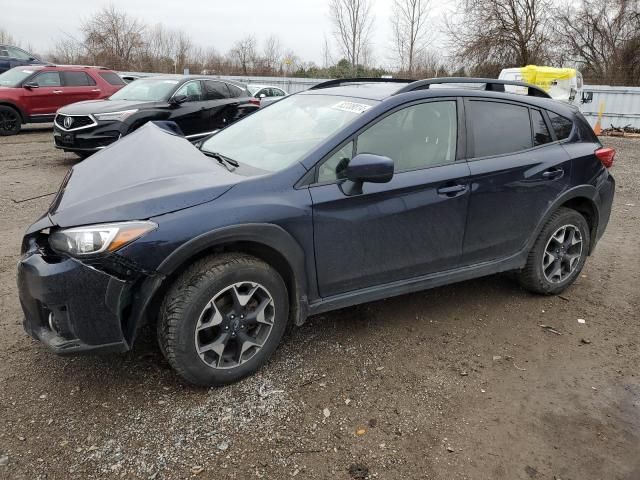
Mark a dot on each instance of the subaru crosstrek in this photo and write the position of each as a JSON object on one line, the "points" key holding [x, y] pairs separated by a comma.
{"points": [[350, 192]]}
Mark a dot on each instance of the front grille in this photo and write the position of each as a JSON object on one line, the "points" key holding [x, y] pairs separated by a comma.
{"points": [[69, 122]]}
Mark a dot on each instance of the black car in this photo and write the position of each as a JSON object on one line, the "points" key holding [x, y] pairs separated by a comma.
{"points": [[198, 105], [11, 56], [353, 191]]}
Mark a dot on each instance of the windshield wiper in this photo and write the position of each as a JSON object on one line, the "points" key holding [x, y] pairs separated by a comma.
{"points": [[221, 158]]}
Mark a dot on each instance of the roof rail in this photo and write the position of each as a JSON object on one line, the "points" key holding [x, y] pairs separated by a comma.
{"points": [[490, 84], [340, 81], [76, 66]]}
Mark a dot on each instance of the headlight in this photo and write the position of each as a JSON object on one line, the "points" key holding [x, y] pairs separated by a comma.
{"points": [[94, 239], [119, 116]]}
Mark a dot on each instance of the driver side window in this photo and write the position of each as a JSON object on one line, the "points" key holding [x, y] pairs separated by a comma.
{"points": [[419, 136], [192, 90]]}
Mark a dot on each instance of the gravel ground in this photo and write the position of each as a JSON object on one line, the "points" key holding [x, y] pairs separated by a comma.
{"points": [[458, 382]]}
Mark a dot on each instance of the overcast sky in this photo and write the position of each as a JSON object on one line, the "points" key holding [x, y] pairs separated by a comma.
{"points": [[300, 24]]}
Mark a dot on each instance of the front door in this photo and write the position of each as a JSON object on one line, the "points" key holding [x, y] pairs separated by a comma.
{"points": [[192, 115], [413, 225], [47, 97]]}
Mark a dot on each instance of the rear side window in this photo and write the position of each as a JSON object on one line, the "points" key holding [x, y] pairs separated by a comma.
{"points": [[237, 92], [112, 78], [77, 79], [541, 133], [216, 90], [561, 126], [47, 79], [498, 128]]}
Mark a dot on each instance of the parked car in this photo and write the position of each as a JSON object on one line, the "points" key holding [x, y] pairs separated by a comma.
{"points": [[11, 57], [263, 91], [199, 105], [33, 94], [350, 192]]}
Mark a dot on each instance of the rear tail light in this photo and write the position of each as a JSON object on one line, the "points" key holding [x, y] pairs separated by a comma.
{"points": [[255, 101], [606, 156]]}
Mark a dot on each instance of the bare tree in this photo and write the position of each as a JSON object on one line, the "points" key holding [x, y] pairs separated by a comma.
{"points": [[410, 35], [603, 39], [272, 53], [113, 38], [6, 37], [353, 21], [244, 53], [488, 35]]}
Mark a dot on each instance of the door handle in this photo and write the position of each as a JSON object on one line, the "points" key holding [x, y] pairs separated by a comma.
{"points": [[95, 90], [452, 190], [552, 173], [57, 91]]}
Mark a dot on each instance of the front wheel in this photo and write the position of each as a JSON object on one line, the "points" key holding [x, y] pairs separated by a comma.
{"points": [[10, 121], [559, 253], [223, 319]]}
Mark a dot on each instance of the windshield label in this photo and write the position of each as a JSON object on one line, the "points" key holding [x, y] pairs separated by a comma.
{"points": [[351, 107]]}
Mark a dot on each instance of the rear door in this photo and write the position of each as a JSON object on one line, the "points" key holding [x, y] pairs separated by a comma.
{"points": [[79, 86], [222, 105], [47, 96], [517, 171], [408, 227]]}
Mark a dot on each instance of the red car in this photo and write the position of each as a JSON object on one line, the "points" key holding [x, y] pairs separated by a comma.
{"points": [[33, 94]]}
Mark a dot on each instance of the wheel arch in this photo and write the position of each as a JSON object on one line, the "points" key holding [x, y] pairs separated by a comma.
{"points": [[580, 199], [270, 243]]}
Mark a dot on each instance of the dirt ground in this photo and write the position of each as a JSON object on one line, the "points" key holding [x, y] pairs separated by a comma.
{"points": [[458, 382]]}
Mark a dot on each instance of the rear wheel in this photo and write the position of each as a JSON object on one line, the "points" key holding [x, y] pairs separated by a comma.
{"points": [[10, 121], [559, 253], [223, 319]]}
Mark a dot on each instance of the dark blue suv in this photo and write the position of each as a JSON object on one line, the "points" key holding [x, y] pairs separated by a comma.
{"points": [[11, 56], [352, 191]]}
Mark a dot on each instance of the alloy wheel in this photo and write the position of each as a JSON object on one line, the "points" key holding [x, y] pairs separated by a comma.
{"points": [[562, 254], [234, 325], [8, 121]]}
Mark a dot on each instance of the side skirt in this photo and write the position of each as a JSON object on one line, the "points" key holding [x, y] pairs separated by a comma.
{"points": [[425, 282]]}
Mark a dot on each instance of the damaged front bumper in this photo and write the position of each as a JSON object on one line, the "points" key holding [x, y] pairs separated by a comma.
{"points": [[74, 307]]}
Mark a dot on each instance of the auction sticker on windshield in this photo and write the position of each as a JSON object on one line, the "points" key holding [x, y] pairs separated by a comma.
{"points": [[351, 107]]}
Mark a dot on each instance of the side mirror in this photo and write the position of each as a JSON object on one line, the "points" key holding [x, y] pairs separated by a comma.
{"points": [[179, 99], [587, 97], [169, 126], [31, 85], [262, 95], [366, 167]]}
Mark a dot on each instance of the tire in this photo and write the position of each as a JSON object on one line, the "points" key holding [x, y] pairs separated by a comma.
{"points": [[202, 330], [558, 255], [10, 121]]}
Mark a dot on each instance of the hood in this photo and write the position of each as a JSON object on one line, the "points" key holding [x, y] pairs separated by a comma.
{"points": [[106, 106], [147, 173]]}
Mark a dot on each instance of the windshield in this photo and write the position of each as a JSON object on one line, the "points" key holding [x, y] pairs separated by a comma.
{"points": [[275, 137], [253, 89], [15, 76], [147, 90]]}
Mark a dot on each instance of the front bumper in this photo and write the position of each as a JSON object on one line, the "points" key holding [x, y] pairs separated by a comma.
{"points": [[89, 139], [71, 307]]}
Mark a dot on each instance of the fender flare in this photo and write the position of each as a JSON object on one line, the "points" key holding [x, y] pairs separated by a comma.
{"points": [[265, 234], [587, 192]]}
